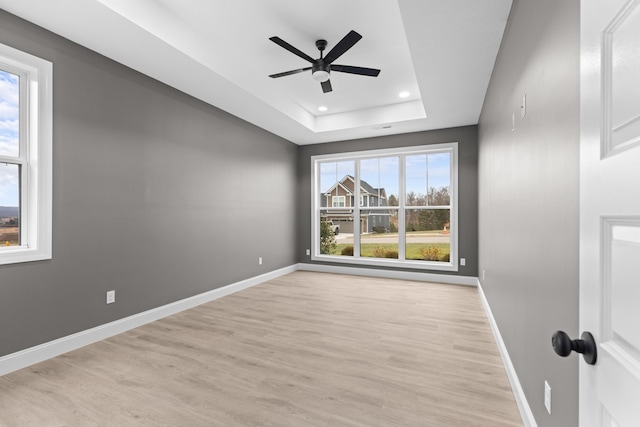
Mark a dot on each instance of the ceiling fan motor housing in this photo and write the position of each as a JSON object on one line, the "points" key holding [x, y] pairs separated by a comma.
{"points": [[321, 44]]}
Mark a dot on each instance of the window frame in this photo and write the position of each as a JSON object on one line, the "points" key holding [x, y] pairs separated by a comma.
{"points": [[35, 157], [402, 153]]}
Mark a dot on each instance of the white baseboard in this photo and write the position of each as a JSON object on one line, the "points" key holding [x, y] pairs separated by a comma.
{"points": [[30, 356], [521, 400], [391, 274]]}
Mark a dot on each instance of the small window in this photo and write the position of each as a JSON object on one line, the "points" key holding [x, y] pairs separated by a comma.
{"points": [[25, 136], [338, 201]]}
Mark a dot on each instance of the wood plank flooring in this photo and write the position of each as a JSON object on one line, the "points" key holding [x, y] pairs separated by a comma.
{"points": [[306, 349]]}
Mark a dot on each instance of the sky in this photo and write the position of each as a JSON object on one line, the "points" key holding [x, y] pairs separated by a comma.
{"points": [[422, 171], [9, 127]]}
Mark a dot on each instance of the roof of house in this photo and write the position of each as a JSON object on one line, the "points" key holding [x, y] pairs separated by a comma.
{"points": [[363, 184]]}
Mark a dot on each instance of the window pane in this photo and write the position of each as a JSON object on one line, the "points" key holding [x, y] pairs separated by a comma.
{"points": [[9, 114], [428, 234], [379, 182], [416, 180], [336, 184], [380, 241], [439, 179], [336, 232], [9, 204]]}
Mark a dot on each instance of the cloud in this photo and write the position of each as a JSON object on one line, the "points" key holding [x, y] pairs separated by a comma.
{"points": [[9, 114], [9, 94], [9, 185]]}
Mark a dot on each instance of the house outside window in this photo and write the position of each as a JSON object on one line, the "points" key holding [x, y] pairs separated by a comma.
{"points": [[25, 156], [407, 215]]}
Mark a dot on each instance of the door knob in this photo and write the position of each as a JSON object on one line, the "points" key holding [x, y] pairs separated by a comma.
{"points": [[563, 346]]}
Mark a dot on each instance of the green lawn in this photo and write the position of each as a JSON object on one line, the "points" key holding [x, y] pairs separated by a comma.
{"points": [[408, 233], [413, 249]]}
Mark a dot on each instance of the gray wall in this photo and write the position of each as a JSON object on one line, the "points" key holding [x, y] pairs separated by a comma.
{"points": [[156, 195], [528, 213], [467, 184], [160, 197]]}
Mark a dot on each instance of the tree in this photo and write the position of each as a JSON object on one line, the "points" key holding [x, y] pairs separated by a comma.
{"points": [[439, 196], [327, 237], [428, 219], [411, 198]]}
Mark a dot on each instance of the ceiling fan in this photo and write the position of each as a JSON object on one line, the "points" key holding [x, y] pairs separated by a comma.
{"points": [[322, 66]]}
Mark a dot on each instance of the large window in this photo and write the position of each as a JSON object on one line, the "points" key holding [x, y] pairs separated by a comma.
{"points": [[25, 156], [407, 210]]}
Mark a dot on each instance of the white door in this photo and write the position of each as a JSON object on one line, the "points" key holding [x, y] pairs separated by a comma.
{"points": [[610, 210]]}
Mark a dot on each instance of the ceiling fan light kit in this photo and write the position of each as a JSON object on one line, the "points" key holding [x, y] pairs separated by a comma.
{"points": [[321, 75], [322, 67]]}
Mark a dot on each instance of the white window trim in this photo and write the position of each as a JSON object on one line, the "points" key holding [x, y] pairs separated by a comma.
{"points": [[452, 265], [36, 135]]}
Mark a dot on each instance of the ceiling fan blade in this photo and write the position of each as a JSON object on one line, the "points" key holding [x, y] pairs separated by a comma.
{"points": [[326, 86], [373, 72], [284, 44], [343, 45], [288, 73]]}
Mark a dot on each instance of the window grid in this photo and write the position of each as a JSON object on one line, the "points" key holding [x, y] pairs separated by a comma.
{"points": [[360, 211], [18, 159], [34, 156]]}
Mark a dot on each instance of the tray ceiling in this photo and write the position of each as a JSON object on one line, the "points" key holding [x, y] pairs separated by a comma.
{"points": [[441, 52]]}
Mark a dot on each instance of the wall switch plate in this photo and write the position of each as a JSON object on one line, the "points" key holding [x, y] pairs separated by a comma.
{"points": [[463, 261], [547, 397], [260, 261], [482, 274], [111, 297], [523, 107], [308, 252]]}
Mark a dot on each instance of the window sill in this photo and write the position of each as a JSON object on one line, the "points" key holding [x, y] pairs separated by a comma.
{"points": [[380, 262], [17, 254]]}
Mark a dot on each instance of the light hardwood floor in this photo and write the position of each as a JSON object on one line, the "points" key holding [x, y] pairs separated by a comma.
{"points": [[306, 349]]}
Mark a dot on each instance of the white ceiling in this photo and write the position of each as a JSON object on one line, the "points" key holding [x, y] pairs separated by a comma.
{"points": [[440, 51]]}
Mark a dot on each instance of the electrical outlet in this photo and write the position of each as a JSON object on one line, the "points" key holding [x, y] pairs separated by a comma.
{"points": [[260, 261], [308, 252], [482, 274], [463, 261], [547, 397], [111, 297]]}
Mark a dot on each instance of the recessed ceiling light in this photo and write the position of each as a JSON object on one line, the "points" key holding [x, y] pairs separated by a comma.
{"points": [[322, 108], [404, 94]]}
